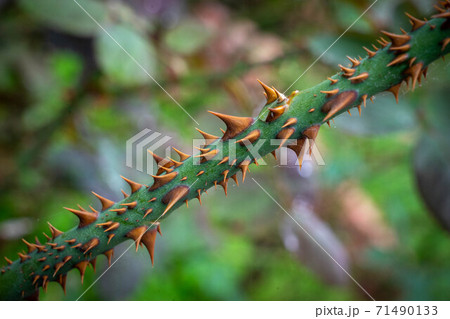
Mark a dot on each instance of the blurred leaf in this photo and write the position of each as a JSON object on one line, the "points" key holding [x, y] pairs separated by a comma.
{"points": [[187, 37], [338, 52], [67, 15], [385, 116], [66, 67], [432, 169], [347, 13], [121, 69], [432, 153]]}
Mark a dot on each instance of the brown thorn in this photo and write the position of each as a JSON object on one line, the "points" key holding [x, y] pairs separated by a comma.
{"points": [[81, 208], [62, 281], [333, 81], [235, 125], [125, 195], [311, 133], [369, 52], [223, 160], [338, 103], [36, 278], [414, 72], [105, 224], [200, 173], [209, 155], [444, 15], [244, 168], [45, 283], [175, 163], [347, 71], [289, 122], [110, 236], [199, 191], [397, 39], [183, 156], [119, 211], [106, 203], [209, 138], [274, 153], [147, 212], [173, 196], [136, 234], [148, 239], [250, 137], [445, 42], [354, 62], [81, 266], [271, 95], [399, 59], [297, 148], [275, 112], [93, 263], [31, 247], [114, 226], [234, 177], [224, 185], [133, 185], [359, 78], [364, 98], [285, 134], [331, 92], [109, 255], [23, 257], [130, 205], [58, 266], [394, 90], [90, 244], [225, 173], [381, 42], [202, 150], [162, 180], [402, 48]]}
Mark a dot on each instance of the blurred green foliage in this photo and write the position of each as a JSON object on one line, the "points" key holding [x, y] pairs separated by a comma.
{"points": [[70, 97]]}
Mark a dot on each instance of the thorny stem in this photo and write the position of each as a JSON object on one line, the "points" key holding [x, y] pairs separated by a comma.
{"points": [[297, 117]]}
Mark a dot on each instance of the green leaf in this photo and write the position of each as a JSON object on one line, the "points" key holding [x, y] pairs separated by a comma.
{"points": [[432, 170], [187, 37], [338, 52], [67, 15], [385, 116], [117, 64]]}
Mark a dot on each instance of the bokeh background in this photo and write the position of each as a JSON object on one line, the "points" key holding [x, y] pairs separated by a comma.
{"points": [[70, 98]]}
